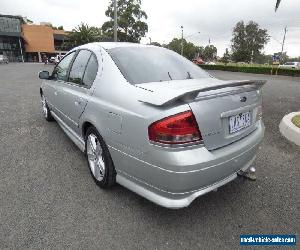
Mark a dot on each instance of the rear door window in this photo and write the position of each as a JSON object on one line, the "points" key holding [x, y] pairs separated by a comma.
{"points": [[79, 66], [90, 72]]}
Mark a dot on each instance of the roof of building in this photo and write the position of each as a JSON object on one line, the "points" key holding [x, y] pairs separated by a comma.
{"points": [[60, 35], [38, 38], [60, 32], [12, 16]]}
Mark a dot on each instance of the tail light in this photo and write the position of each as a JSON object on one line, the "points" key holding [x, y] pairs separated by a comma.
{"points": [[176, 129]]}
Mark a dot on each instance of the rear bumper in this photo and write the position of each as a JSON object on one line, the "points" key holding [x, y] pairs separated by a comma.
{"points": [[166, 201], [174, 178]]}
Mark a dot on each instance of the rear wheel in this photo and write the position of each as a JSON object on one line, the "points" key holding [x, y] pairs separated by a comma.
{"points": [[99, 159], [45, 109]]}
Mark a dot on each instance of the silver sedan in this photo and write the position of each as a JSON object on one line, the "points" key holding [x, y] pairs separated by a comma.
{"points": [[152, 121]]}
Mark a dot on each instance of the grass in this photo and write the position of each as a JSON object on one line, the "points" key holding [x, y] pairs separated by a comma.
{"points": [[296, 120]]}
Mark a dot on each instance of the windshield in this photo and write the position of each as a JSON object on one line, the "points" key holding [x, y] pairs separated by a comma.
{"points": [[154, 64]]}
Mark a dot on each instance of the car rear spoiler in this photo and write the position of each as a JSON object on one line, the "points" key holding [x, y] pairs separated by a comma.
{"points": [[159, 94]]}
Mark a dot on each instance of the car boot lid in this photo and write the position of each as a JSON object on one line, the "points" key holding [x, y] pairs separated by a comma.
{"points": [[163, 93]]}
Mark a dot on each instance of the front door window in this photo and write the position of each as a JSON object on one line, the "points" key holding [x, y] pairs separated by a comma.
{"points": [[60, 72]]}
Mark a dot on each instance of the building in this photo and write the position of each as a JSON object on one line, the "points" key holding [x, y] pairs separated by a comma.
{"points": [[38, 42], [23, 41], [60, 36], [10, 37], [42, 42]]}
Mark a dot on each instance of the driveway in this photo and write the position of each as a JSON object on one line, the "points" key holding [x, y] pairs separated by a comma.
{"points": [[49, 200]]}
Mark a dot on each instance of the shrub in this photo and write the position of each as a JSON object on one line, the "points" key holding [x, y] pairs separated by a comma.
{"points": [[296, 120], [253, 69]]}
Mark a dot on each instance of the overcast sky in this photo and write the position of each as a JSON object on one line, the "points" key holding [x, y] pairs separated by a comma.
{"points": [[214, 19]]}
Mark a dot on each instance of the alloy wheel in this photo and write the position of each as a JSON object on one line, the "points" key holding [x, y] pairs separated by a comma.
{"points": [[44, 107], [95, 157]]}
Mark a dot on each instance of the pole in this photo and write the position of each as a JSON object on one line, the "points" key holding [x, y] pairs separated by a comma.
{"points": [[185, 38], [115, 22], [283, 41], [181, 40], [150, 40], [21, 49], [252, 51]]}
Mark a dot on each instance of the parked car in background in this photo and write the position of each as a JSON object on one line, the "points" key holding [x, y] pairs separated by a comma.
{"points": [[58, 59], [153, 121], [51, 59], [55, 59], [210, 63], [291, 65], [198, 61], [4, 59]]}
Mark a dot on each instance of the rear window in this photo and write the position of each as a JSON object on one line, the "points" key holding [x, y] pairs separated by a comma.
{"points": [[154, 64]]}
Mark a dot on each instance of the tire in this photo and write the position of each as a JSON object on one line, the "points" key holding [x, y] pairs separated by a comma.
{"points": [[45, 109], [99, 159]]}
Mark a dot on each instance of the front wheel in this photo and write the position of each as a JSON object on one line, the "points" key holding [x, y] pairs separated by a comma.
{"points": [[99, 159]]}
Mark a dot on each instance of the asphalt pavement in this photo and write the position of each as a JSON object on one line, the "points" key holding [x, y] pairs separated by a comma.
{"points": [[49, 200]]}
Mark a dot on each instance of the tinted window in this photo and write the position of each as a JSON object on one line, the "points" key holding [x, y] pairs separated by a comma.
{"points": [[153, 64], [61, 70], [79, 66], [90, 72]]}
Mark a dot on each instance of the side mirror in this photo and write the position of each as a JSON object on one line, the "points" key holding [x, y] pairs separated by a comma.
{"points": [[44, 75]]}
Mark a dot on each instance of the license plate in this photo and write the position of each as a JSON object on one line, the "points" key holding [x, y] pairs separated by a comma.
{"points": [[238, 122]]}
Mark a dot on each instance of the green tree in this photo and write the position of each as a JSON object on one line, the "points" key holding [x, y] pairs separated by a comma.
{"points": [[283, 57], [190, 50], [131, 27], [247, 42], [294, 59], [27, 20], [209, 53], [54, 27], [226, 57], [83, 34], [156, 44], [264, 59]]}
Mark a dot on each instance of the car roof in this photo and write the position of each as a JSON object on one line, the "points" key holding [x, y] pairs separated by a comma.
{"points": [[111, 45]]}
